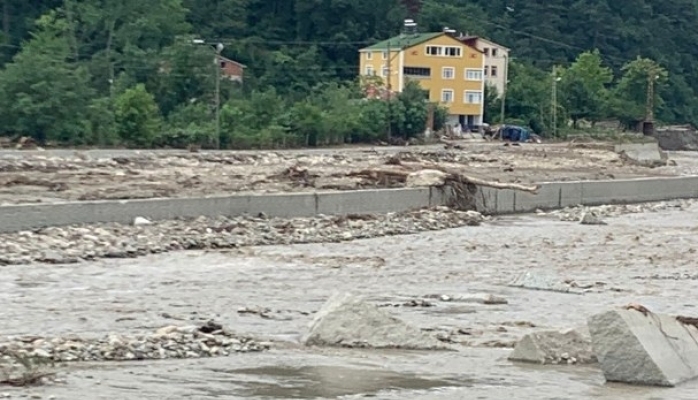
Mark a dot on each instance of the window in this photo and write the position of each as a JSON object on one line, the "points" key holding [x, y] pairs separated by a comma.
{"points": [[417, 71], [370, 71], [487, 51], [494, 52], [369, 56], [447, 96], [386, 72], [385, 55], [472, 97], [444, 51], [487, 70], [473, 75], [448, 72], [493, 71]]}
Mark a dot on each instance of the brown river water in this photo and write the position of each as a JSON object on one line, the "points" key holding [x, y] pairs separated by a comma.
{"points": [[623, 258]]}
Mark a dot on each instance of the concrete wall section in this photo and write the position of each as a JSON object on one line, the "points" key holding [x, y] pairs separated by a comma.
{"points": [[491, 201], [638, 190], [555, 195], [372, 201], [25, 217]]}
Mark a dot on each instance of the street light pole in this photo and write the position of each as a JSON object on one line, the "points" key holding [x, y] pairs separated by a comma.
{"points": [[219, 48], [553, 102], [504, 90]]}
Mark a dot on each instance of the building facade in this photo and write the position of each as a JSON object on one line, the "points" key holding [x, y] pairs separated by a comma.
{"points": [[496, 69], [451, 71], [230, 69]]}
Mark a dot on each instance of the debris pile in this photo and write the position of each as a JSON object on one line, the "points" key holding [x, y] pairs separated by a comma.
{"points": [[73, 244], [210, 340]]}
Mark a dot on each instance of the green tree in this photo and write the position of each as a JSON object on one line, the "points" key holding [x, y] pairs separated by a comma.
{"points": [[43, 93], [583, 87], [630, 95], [528, 96], [137, 117], [493, 105]]}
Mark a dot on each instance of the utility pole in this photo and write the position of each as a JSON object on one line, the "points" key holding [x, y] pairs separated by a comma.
{"points": [[219, 49], [553, 110], [504, 90], [648, 125], [389, 86]]}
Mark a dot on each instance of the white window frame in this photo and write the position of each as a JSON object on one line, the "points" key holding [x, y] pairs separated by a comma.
{"points": [[487, 71], [495, 52], [385, 54], [441, 51], [384, 71], [493, 71], [443, 92], [369, 71], [466, 99], [468, 71], [369, 55], [443, 73]]}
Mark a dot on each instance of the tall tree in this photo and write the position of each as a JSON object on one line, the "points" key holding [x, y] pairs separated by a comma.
{"points": [[43, 92], [584, 87], [631, 95]]}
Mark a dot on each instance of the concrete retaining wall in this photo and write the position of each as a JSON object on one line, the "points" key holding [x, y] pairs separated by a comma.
{"points": [[552, 195], [555, 195]]}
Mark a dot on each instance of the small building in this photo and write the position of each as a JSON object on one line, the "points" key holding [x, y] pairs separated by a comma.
{"points": [[230, 69], [496, 60], [450, 70]]}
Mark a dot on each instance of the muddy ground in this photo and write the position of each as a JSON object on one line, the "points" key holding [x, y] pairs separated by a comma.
{"points": [[646, 258], [59, 175]]}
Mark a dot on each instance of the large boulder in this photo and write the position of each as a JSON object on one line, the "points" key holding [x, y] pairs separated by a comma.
{"points": [[349, 321], [639, 347], [552, 347]]}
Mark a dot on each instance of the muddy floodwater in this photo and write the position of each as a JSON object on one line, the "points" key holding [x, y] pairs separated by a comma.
{"points": [[272, 292]]}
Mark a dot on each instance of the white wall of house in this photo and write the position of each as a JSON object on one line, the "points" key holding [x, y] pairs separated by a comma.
{"points": [[496, 63]]}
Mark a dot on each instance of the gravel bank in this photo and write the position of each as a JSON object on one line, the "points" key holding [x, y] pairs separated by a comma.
{"points": [[73, 244], [61, 245]]}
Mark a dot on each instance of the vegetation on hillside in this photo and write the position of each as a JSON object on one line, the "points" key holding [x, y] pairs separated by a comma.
{"points": [[104, 72]]}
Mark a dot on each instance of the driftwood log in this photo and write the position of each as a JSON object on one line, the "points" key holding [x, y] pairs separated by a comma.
{"points": [[399, 169]]}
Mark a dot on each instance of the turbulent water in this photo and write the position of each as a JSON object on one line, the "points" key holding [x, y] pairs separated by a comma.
{"points": [[643, 258]]}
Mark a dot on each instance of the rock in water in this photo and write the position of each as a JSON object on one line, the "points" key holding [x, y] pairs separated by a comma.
{"points": [[589, 218], [141, 221], [644, 348], [552, 347], [349, 321]]}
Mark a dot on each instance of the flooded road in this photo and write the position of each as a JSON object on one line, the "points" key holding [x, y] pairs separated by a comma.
{"points": [[272, 292]]}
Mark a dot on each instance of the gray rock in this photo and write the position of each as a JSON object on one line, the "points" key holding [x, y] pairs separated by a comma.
{"points": [[645, 349], [590, 218], [349, 321], [552, 347]]}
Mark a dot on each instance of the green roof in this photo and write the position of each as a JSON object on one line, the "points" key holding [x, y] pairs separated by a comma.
{"points": [[404, 41]]}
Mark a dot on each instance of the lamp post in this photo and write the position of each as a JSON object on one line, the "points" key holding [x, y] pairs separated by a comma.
{"points": [[218, 48], [504, 90], [553, 102]]}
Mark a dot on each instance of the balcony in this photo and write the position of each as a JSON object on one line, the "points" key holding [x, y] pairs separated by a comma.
{"points": [[417, 72]]}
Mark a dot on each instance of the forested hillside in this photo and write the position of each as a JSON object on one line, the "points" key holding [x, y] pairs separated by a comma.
{"points": [[113, 72]]}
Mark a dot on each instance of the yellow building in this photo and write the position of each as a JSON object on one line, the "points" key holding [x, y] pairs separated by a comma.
{"points": [[450, 70]]}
